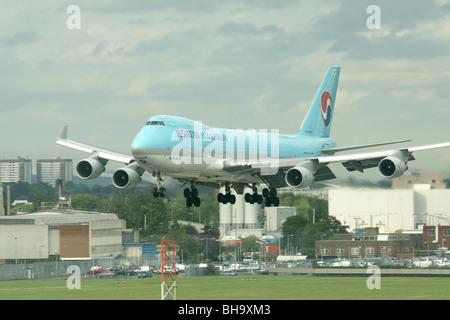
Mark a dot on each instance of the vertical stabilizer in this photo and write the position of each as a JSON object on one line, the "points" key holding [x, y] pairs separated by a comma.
{"points": [[317, 122]]}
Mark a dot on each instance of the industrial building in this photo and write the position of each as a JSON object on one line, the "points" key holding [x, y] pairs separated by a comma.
{"points": [[241, 219], [276, 216], [390, 222], [68, 235], [416, 180], [390, 210]]}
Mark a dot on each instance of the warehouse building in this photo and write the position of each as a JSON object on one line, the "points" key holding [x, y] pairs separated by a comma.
{"points": [[68, 235], [390, 210]]}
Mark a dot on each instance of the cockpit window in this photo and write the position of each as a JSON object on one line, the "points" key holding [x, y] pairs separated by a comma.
{"points": [[155, 123]]}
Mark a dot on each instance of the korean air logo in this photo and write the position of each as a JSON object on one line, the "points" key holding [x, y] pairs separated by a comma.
{"points": [[326, 108]]}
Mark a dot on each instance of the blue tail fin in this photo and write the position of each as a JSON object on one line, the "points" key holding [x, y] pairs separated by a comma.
{"points": [[317, 122]]}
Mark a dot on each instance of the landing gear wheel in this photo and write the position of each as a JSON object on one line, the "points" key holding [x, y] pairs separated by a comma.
{"points": [[227, 197], [271, 198], [259, 199], [191, 196], [276, 201], [162, 192], [255, 197], [273, 193], [155, 192]]}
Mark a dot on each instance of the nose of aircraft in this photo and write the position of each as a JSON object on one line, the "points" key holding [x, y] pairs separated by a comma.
{"points": [[139, 144]]}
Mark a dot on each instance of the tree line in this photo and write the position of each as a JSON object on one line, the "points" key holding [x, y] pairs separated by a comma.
{"points": [[151, 216]]}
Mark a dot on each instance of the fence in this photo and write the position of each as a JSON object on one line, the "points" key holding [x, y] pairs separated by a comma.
{"points": [[58, 269]]}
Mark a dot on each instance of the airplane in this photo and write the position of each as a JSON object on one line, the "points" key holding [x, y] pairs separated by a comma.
{"points": [[196, 154]]}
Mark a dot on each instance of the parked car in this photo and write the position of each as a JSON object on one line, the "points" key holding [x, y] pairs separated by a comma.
{"points": [[144, 274], [96, 270], [142, 269], [106, 274]]}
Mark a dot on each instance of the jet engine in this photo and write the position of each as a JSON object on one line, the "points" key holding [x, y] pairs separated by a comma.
{"points": [[392, 167], [127, 177], [299, 177], [90, 168]]}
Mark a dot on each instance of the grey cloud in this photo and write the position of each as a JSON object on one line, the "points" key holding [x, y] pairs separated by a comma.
{"points": [[139, 6], [235, 29], [345, 27], [24, 37]]}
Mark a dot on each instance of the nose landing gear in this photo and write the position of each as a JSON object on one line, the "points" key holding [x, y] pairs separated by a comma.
{"points": [[159, 191]]}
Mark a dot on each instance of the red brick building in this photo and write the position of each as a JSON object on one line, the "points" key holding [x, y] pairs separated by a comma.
{"points": [[369, 243], [437, 236]]}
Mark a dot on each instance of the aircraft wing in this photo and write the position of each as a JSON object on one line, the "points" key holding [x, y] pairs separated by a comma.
{"points": [[361, 158], [101, 153], [371, 157], [319, 165]]}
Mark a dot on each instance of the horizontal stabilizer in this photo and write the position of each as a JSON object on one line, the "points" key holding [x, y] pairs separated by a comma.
{"points": [[361, 146]]}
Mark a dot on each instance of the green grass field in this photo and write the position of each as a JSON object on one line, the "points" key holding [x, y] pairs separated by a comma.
{"points": [[232, 288]]}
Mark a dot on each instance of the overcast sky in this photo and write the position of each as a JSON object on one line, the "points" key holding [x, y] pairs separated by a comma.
{"points": [[239, 64]]}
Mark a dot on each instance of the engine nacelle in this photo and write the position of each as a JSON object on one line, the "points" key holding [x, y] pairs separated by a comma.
{"points": [[299, 177], [90, 168], [392, 167], [126, 177]]}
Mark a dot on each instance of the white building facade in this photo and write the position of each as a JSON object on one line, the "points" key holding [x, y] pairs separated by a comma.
{"points": [[50, 170], [15, 170], [388, 209]]}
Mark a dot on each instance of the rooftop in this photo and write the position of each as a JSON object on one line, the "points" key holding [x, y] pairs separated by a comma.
{"points": [[57, 218]]}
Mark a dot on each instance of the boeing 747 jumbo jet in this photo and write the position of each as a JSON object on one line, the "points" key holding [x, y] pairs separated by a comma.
{"points": [[195, 154]]}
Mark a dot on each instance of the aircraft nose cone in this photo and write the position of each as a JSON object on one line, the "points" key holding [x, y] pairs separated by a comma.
{"points": [[138, 146]]}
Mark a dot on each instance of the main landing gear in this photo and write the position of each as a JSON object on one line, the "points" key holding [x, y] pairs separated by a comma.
{"points": [[227, 197], [253, 197], [191, 196], [269, 195]]}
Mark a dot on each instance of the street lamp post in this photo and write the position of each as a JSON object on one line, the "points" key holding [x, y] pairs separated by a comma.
{"points": [[288, 245]]}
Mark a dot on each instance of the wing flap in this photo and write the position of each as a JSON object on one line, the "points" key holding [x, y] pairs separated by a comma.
{"points": [[354, 165], [361, 146], [324, 173]]}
